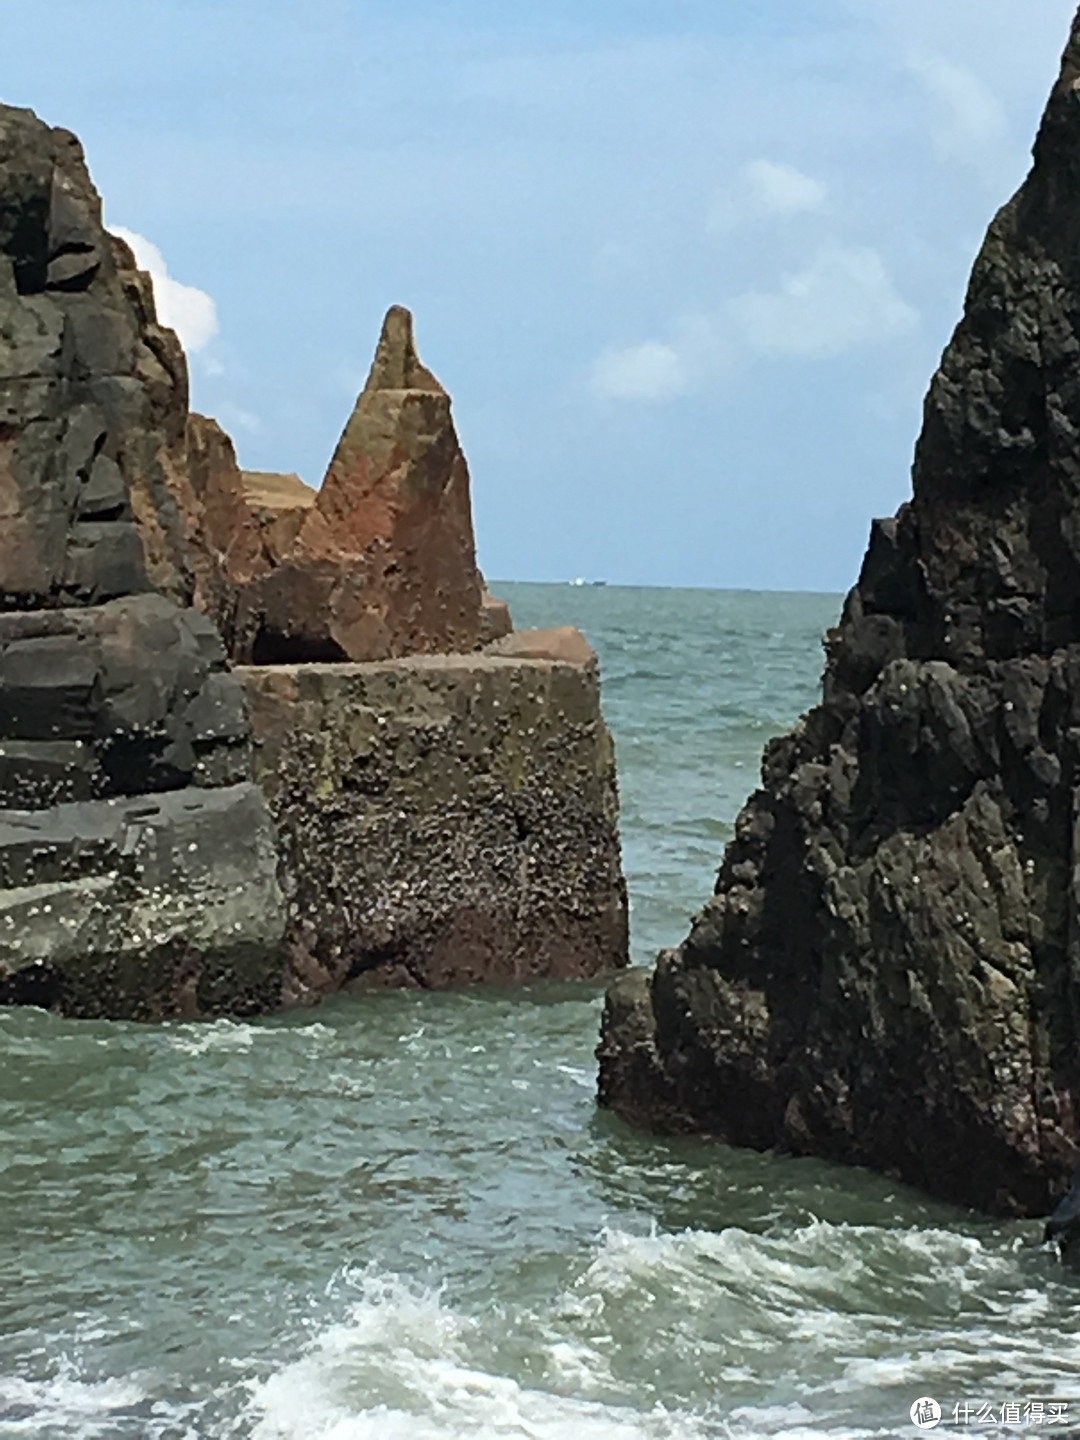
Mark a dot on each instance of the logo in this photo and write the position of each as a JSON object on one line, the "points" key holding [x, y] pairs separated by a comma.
{"points": [[926, 1413]]}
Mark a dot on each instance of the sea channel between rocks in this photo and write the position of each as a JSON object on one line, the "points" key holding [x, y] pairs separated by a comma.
{"points": [[260, 742]]}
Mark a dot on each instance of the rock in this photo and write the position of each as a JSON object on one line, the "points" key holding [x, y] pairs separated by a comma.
{"points": [[381, 561], [226, 543], [564, 642], [271, 492], [888, 971], [93, 392], [1063, 1227], [443, 819], [132, 696], [137, 866], [495, 621], [162, 905], [280, 504]]}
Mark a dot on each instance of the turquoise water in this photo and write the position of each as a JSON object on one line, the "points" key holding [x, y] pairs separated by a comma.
{"points": [[402, 1216]]}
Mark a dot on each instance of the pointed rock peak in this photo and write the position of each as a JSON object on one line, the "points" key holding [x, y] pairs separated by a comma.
{"points": [[1056, 141], [396, 365]]}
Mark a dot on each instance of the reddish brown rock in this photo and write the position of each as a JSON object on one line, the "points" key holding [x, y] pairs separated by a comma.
{"points": [[563, 642], [495, 618], [226, 541], [270, 492], [279, 504], [381, 562]]}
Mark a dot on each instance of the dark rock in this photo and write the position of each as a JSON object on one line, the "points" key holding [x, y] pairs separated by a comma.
{"points": [[1063, 1227], [137, 860], [139, 683], [141, 908], [93, 392], [888, 971]]}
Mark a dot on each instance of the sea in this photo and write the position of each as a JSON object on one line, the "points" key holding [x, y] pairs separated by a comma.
{"points": [[402, 1216]]}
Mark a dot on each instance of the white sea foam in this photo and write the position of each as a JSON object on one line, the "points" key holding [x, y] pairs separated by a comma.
{"points": [[832, 1292], [808, 1263], [401, 1366], [791, 1275], [793, 1422], [200, 1037], [64, 1405]]}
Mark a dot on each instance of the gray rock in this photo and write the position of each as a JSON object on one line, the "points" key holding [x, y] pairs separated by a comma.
{"points": [[87, 513], [443, 819], [141, 908]]}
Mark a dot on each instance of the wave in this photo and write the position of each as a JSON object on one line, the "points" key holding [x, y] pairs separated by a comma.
{"points": [[200, 1037], [819, 1330], [403, 1366], [720, 1328], [67, 1406]]}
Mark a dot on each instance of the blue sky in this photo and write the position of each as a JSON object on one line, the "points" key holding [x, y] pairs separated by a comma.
{"points": [[685, 267]]}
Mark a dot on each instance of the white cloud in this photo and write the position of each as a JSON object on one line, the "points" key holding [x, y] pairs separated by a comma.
{"points": [[843, 300], [782, 190], [972, 125], [766, 190], [650, 371], [190, 312]]}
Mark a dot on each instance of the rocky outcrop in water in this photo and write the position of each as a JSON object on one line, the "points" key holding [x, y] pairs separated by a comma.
{"points": [[444, 818], [889, 971], [137, 867]]}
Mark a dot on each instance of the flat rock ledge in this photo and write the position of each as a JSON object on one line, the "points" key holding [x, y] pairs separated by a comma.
{"points": [[444, 818], [888, 973]]}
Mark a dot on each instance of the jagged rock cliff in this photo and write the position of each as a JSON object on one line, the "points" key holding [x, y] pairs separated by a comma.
{"points": [[889, 970], [137, 864]]}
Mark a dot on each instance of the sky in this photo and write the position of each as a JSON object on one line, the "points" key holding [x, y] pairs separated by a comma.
{"points": [[685, 266]]}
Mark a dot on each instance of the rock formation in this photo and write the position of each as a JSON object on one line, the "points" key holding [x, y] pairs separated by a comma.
{"points": [[444, 818], [380, 561], [889, 970], [137, 872]]}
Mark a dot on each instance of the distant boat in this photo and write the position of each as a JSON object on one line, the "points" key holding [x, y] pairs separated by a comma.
{"points": [[579, 581]]}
